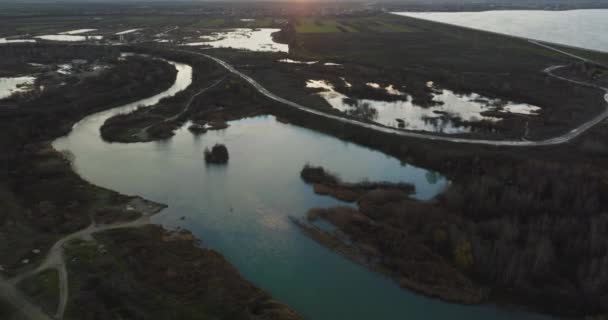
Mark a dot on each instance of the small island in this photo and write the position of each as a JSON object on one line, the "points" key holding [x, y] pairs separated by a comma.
{"points": [[197, 128], [217, 155]]}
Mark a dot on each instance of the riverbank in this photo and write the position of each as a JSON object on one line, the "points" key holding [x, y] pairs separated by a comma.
{"points": [[214, 98], [42, 197], [504, 68], [399, 255], [499, 205], [44, 200], [160, 274], [499, 212]]}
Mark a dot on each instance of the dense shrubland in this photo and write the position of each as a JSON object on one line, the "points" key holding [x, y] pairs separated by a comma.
{"points": [[519, 226], [51, 112], [327, 183], [529, 231], [225, 98], [218, 154], [527, 226], [40, 196], [535, 237], [149, 273], [161, 120]]}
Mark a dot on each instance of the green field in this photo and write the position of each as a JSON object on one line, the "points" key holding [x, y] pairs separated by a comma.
{"points": [[350, 24], [310, 25]]}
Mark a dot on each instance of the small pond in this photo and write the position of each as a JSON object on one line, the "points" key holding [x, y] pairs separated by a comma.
{"points": [[6, 41], [69, 37], [9, 86], [127, 31], [78, 31], [243, 38], [445, 117]]}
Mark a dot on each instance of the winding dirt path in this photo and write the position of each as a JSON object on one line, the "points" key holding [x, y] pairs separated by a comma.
{"points": [[55, 260]]}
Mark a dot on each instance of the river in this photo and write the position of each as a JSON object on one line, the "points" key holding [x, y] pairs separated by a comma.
{"points": [[579, 28], [242, 209]]}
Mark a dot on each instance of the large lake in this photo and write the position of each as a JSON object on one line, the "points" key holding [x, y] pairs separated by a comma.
{"points": [[579, 28], [242, 209]]}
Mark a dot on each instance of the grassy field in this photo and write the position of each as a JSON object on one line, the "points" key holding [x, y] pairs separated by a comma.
{"points": [[148, 273], [595, 56], [44, 289], [462, 60], [348, 24], [310, 25]]}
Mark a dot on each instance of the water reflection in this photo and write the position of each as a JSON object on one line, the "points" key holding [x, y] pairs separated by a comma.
{"points": [[445, 117], [243, 38], [78, 31], [10, 86], [296, 61], [390, 89], [128, 31], [4, 40], [242, 210]]}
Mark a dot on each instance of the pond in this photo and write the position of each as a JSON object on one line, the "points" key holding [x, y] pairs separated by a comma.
{"points": [[9, 86], [242, 209], [4, 40], [78, 31], [128, 31], [68, 37], [445, 117], [286, 60], [243, 38]]}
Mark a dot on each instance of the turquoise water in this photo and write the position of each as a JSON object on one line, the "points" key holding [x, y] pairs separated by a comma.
{"points": [[242, 209]]}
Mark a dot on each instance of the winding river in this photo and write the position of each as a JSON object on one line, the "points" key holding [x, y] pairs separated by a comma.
{"points": [[242, 209]]}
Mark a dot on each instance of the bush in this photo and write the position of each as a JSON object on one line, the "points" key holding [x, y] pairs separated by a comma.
{"points": [[312, 174], [463, 254], [218, 154]]}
